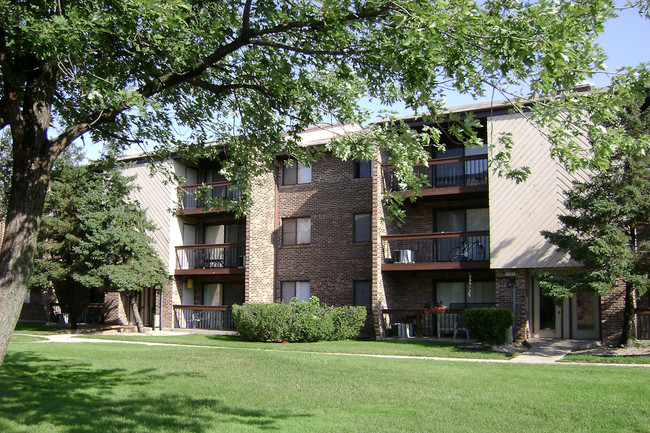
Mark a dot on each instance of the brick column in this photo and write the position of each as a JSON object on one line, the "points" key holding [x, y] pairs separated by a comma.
{"points": [[378, 229], [114, 313], [612, 306], [506, 282]]}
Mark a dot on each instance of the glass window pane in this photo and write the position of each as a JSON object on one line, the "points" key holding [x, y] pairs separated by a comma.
{"points": [[214, 234], [451, 220], [362, 228], [303, 231], [290, 174], [303, 290], [212, 294], [362, 168], [288, 291], [450, 293], [304, 174], [482, 292], [469, 151], [289, 231], [478, 219]]}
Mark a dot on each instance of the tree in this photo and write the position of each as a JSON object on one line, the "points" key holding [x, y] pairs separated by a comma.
{"points": [[93, 236], [606, 227], [251, 76]]}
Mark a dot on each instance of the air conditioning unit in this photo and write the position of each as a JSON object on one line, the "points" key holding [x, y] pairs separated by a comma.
{"points": [[403, 256]]}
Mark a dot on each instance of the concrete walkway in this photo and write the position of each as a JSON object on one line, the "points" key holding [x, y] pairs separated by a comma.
{"points": [[550, 350]]}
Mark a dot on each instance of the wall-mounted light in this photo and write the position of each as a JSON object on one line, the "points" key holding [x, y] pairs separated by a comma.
{"points": [[189, 283]]}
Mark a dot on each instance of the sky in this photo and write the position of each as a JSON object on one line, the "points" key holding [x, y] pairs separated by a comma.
{"points": [[624, 41]]}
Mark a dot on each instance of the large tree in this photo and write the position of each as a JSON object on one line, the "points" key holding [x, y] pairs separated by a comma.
{"points": [[93, 236], [606, 227], [252, 75]]}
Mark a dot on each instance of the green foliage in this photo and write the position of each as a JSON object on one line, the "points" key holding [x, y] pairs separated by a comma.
{"points": [[488, 325], [298, 321], [93, 235]]}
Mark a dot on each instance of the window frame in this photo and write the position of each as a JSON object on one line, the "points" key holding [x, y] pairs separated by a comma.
{"points": [[297, 174], [297, 289], [363, 168], [296, 236]]}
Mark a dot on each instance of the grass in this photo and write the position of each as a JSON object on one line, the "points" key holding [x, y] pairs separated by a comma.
{"points": [[411, 347], [87, 387], [591, 358]]}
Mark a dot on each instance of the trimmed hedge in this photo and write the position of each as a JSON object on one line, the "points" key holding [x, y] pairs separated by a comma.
{"points": [[298, 321], [488, 325]]}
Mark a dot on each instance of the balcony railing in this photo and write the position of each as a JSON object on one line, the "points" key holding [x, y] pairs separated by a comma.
{"points": [[197, 196], [437, 247], [210, 256], [213, 317], [446, 172], [92, 313], [427, 322]]}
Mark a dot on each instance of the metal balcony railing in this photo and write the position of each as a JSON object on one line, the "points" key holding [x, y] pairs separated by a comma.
{"points": [[197, 196], [210, 256], [446, 172], [437, 247]]}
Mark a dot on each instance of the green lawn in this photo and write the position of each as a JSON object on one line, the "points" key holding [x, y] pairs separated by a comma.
{"points": [[86, 387], [411, 347], [587, 357]]}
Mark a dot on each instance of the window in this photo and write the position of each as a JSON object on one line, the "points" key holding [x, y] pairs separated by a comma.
{"points": [[296, 231], [472, 247], [296, 173], [27, 299], [295, 289], [362, 227], [464, 293], [362, 168], [212, 294], [362, 294]]}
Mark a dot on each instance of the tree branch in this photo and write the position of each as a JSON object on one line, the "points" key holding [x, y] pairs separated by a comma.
{"points": [[303, 50]]}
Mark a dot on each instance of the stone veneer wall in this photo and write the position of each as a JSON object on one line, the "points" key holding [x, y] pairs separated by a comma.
{"points": [[261, 238], [377, 252], [332, 261], [505, 297]]}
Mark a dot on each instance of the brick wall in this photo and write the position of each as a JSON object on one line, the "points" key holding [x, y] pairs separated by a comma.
{"points": [[332, 261], [114, 313]]}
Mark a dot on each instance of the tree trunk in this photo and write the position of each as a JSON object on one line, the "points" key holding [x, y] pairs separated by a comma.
{"points": [[26, 199], [628, 316], [136, 313]]}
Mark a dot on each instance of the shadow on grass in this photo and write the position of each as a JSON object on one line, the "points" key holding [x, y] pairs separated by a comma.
{"points": [[37, 392]]}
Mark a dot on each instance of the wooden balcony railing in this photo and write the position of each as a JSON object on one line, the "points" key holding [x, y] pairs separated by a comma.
{"points": [[445, 247], [210, 256], [197, 196], [446, 172], [213, 317]]}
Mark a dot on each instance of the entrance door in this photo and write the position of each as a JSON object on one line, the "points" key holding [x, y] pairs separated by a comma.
{"points": [[585, 316], [548, 315]]}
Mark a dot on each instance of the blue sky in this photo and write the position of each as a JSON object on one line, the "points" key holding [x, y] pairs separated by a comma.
{"points": [[625, 41]]}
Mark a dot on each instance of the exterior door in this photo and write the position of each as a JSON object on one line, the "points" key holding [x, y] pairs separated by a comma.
{"points": [[548, 315], [585, 317]]}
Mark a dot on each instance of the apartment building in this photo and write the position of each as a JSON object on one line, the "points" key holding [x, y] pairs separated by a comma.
{"points": [[472, 239]]}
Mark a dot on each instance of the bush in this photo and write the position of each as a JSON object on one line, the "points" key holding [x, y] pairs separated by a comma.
{"points": [[297, 321], [488, 325]]}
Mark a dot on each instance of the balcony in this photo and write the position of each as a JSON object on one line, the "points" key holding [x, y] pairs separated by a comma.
{"points": [[434, 251], [210, 259], [193, 197], [428, 322], [212, 317], [456, 175]]}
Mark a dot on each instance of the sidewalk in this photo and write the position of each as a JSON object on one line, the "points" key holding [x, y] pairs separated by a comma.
{"points": [[549, 350]]}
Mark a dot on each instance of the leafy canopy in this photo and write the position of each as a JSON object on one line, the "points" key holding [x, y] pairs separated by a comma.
{"points": [[175, 74], [93, 235]]}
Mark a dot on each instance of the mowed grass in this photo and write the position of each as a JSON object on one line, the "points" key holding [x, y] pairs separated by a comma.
{"points": [[402, 347], [90, 387]]}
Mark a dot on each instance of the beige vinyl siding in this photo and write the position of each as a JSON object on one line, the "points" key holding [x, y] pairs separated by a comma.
{"points": [[155, 196], [518, 212]]}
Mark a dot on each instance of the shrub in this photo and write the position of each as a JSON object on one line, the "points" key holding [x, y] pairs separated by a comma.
{"points": [[488, 325], [297, 321]]}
